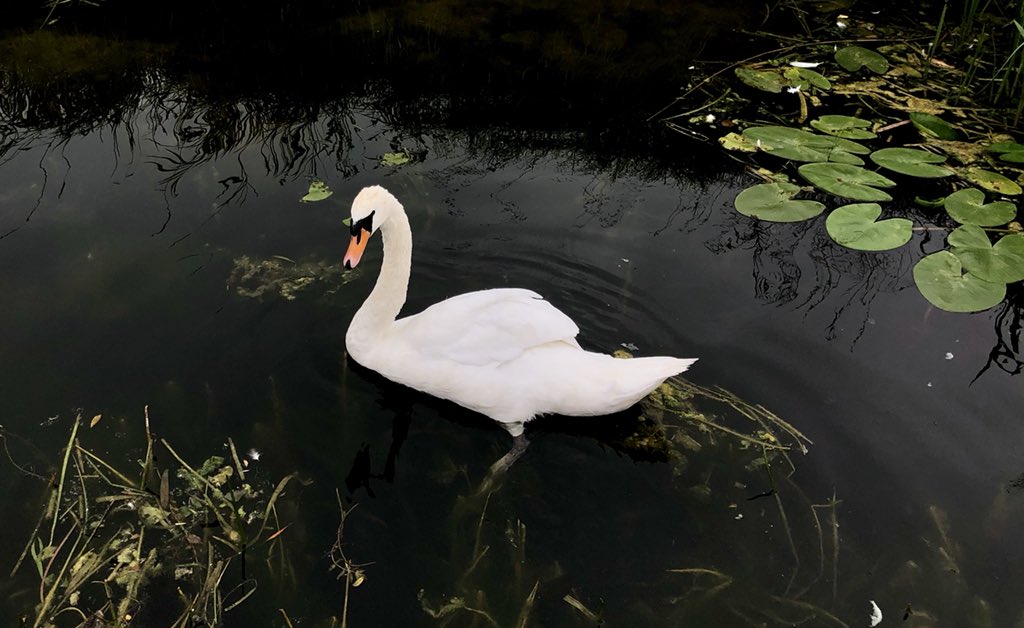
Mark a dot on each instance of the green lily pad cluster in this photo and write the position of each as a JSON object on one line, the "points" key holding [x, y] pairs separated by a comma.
{"points": [[973, 273], [971, 276]]}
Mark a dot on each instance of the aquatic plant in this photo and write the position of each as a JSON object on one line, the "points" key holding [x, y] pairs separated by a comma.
{"points": [[942, 280], [106, 539], [712, 440], [832, 155]]}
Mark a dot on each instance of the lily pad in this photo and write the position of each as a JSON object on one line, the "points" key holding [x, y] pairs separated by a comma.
{"points": [[805, 78], [968, 207], [1005, 147], [399, 158], [846, 145], [930, 203], [991, 181], [844, 126], [911, 162], [940, 279], [933, 126], [318, 191], [1001, 263], [855, 227], [774, 202], [765, 81], [735, 141], [847, 181], [853, 58], [1016, 157], [800, 145]]}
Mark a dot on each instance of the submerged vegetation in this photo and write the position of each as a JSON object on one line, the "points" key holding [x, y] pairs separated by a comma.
{"points": [[108, 540]]}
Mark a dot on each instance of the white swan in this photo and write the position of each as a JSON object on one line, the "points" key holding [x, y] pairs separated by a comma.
{"points": [[505, 353]]}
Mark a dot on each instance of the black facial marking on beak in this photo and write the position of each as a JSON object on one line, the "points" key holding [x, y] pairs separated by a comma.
{"points": [[348, 265], [360, 225]]}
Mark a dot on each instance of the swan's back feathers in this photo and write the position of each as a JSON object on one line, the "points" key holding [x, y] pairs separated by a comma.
{"points": [[487, 327]]}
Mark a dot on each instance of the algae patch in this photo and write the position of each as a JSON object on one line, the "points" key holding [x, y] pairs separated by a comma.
{"points": [[284, 278]]}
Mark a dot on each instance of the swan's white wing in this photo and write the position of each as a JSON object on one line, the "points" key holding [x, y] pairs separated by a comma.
{"points": [[486, 327]]}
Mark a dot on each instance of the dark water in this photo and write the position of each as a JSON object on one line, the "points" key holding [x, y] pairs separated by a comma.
{"points": [[119, 265]]}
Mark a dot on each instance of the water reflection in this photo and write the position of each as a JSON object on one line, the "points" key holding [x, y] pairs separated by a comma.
{"points": [[163, 124]]}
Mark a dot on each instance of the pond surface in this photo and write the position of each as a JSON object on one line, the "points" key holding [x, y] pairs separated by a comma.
{"points": [[157, 260]]}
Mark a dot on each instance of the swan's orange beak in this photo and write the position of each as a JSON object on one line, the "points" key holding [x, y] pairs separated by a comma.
{"points": [[356, 248]]}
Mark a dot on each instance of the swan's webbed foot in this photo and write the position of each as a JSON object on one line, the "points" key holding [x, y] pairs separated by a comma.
{"points": [[498, 469]]}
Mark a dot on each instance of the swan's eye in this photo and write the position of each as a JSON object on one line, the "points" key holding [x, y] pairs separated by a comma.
{"points": [[362, 224]]}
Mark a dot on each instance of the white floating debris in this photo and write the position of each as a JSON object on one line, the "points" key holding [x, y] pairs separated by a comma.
{"points": [[929, 384], [630, 346], [254, 454], [793, 90], [840, 24], [949, 355], [709, 118], [739, 516], [625, 260], [876, 614], [805, 64]]}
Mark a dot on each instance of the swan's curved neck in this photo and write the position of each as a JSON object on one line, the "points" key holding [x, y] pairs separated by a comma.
{"points": [[381, 308]]}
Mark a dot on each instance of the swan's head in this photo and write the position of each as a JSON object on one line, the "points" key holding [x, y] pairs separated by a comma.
{"points": [[371, 208]]}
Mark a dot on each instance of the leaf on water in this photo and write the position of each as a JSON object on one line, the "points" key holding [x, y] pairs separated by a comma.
{"points": [[765, 81], [853, 58], [844, 126], [928, 202], [814, 78], [395, 159], [804, 79], [774, 202], [847, 181], [318, 191], [846, 145], [347, 221], [95, 420], [940, 279], [1005, 147], [800, 145], [969, 237], [911, 162], [1001, 263], [1015, 157], [854, 226], [735, 141], [933, 126], [968, 207], [991, 181]]}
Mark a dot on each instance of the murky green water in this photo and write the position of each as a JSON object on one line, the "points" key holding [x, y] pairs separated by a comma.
{"points": [[123, 259]]}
